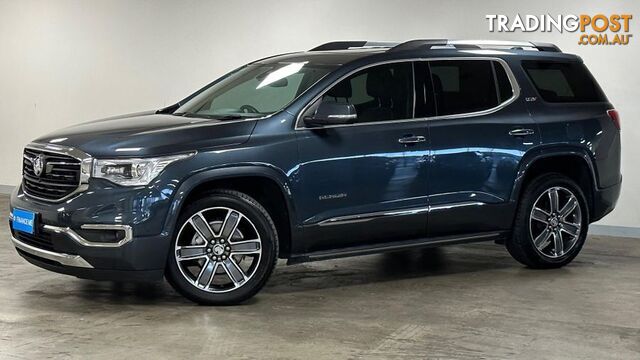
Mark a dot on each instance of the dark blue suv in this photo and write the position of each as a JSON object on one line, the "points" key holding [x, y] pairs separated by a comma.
{"points": [[350, 148]]}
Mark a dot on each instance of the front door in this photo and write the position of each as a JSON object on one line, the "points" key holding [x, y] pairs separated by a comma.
{"points": [[360, 178]]}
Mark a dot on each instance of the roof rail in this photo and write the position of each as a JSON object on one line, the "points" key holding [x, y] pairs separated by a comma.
{"points": [[345, 45], [474, 44], [546, 47]]}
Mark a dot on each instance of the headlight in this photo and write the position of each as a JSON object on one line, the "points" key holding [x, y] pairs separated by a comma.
{"points": [[133, 172]]}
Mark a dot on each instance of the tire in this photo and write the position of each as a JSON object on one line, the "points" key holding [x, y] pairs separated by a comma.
{"points": [[238, 256], [527, 245]]}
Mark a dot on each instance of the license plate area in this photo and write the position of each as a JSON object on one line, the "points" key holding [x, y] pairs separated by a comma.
{"points": [[24, 221]]}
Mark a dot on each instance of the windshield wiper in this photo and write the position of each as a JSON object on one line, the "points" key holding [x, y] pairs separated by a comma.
{"points": [[228, 117], [213, 117]]}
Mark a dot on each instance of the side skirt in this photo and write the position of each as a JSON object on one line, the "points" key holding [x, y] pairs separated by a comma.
{"points": [[495, 236]]}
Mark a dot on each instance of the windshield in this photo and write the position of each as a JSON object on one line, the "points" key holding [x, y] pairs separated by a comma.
{"points": [[255, 91]]}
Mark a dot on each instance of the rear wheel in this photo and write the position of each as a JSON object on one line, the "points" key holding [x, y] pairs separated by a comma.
{"points": [[551, 223], [224, 250]]}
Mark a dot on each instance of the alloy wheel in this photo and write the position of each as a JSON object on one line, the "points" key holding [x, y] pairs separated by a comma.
{"points": [[555, 222], [218, 249]]}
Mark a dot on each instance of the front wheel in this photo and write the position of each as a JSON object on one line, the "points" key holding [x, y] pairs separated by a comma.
{"points": [[224, 250], [551, 223]]}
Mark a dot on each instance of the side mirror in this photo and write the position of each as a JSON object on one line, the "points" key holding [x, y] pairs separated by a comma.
{"points": [[332, 113]]}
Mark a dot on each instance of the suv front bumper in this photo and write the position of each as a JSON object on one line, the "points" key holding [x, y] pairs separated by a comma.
{"points": [[66, 234]]}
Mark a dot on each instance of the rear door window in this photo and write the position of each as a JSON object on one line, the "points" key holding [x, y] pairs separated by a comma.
{"points": [[505, 90], [559, 82], [467, 86]]}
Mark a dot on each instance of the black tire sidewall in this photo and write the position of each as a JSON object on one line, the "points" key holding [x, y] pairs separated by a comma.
{"points": [[268, 235]]}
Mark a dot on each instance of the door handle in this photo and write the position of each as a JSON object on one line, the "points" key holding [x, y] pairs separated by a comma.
{"points": [[411, 139], [521, 132]]}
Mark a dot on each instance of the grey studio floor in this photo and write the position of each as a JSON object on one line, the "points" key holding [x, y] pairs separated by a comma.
{"points": [[457, 302]]}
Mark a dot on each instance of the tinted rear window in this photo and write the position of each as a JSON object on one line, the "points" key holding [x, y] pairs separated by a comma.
{"points": [[504, 86], [463, 86], [563, 81]]}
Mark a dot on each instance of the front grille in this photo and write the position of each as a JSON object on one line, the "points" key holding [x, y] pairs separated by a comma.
{"points": [[59, 178], [41, 240]]}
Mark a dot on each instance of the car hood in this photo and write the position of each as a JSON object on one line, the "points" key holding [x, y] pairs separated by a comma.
{"points": [[148, 134]]}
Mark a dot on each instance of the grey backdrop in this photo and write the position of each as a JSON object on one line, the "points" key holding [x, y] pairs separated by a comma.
{"points": [[64, 62]]}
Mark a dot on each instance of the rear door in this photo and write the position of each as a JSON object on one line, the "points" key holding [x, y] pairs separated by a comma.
{"points": [[362, 181], [481, 131]]}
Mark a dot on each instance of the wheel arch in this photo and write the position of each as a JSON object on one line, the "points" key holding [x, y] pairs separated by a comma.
{"points": [[573, 162], [265, 184]]}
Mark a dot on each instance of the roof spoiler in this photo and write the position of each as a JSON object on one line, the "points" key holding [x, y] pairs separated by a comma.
{"points": [[438, 43]]}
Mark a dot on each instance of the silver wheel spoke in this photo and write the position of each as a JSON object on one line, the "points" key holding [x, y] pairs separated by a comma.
{"points": [[543, 224], [569, 228], [234, 271], [568, 207], [539, 215], [230, 224], [190, 252], [558, 244], [208, 271], [220, 252], [543, 239], [246, 247], [201, 226], [553, 200]]}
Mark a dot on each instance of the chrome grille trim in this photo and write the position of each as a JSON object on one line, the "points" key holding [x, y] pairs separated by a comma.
{"points": [[128, 234], [64, 177]]}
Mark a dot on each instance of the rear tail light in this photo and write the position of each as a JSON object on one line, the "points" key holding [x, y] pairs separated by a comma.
{"points": [[615, 117]]}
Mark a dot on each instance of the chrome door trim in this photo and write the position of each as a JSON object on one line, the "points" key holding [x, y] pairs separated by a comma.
{"points": [[64, 259], [455, 205], [348, 219], [512, 79], [71, 234], [364, 217]]}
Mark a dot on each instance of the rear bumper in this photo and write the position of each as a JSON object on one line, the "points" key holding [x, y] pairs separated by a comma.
{"points": [[605, 200]]}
